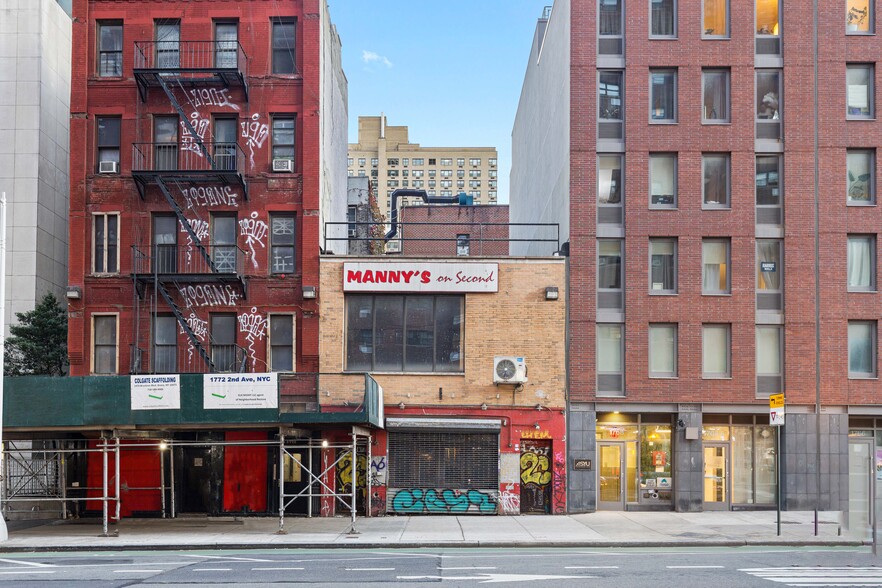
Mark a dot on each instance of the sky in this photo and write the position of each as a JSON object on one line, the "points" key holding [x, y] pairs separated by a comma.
{"points": [[450, 71]]}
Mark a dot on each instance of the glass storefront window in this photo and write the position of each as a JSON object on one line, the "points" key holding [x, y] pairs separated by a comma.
{"points": [[765, 457], [715, 433], [742, 465], [655, 464], [615, 432]]}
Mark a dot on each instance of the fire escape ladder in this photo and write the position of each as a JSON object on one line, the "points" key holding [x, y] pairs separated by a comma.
{"points": [[196, 138], [186, 224], [176, 310]]}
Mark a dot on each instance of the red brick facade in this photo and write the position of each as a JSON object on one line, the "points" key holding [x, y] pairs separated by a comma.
{"points": [[269, 95], [485, 225]]}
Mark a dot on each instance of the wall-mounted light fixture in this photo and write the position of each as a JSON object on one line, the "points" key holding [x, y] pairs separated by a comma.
{"points": [[324, 442], [551, 293], [74, 293], [484, 406], [401, 405], [308, 292]]}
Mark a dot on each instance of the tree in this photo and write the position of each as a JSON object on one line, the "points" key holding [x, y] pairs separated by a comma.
{"points": [[38, 345]]}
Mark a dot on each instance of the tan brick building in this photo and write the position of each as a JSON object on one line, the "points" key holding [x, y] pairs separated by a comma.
{"points": [[385, 154], [429, 331]]}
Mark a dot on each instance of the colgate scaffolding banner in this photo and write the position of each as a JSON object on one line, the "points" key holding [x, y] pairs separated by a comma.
{"points": [[420, 277]]}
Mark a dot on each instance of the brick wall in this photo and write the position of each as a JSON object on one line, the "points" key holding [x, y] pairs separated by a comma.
{"points": [[486, 227]]}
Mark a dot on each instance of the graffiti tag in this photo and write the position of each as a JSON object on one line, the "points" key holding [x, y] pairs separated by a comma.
{"points": [[254, 327], [254, 231], [418, 500], [200, 330], [534, 469], [255, 134], [211, 97], [210, 196], [208, 295], [510, 499], [378, 470], [188, 141]]}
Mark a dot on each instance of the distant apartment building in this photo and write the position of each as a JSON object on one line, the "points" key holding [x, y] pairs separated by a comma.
{"points": [[713, 165], [35, 71], [385, 155]]}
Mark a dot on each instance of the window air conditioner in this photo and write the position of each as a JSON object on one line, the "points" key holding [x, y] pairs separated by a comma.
{"points": [[509, 370], [393, 246], [283, 165], [108, 167]]}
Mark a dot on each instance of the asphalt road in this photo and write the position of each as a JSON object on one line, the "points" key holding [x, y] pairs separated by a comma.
{"points": [[619, 568]]}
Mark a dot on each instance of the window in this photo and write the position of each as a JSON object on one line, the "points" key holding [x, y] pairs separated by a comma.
{"points": [[475, 161], [361, 161], [165, 344], [770, 269], [104, 348], [492, 161], [768, 94], [375, 162], [281, 343], [474, 173], [283, 47], [715, 84], [282, 243], [861, 262], [663, 18], [663, 96], [460, 183], [610, 18], [404, 333], [405, 162], [223, 243], [859, 16], [859, 90], [449, 183], [110, 56], [168, 44], [223, 342], [108, 139], [768, 181], [662, 351], [165, 243], [432, 173], [609, 179], [610, 353], [165, 139], [446, 173], [418, 161], [392, 161], [861, 349], [105, 243], [716, 18], [225, 131], [769, 352], [715, 167], [768, 17], [431, 161], [715, 263], [460, 161], [663, 180], [715, 351], [462, 244], [861, 168], [609, 264], [611, 95], [283, 137], [447, 161], [663, 266], [226, 45]]}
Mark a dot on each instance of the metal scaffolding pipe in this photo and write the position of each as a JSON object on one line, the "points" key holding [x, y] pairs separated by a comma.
{"points": [[104, 489], [281, 475], [117, 475]]}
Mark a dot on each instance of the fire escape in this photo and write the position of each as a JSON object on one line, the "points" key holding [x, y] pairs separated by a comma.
{"points": [[174, 167]]}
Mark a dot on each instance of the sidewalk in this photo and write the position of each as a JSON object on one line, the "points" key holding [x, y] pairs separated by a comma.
{"points": [[601, 529]]}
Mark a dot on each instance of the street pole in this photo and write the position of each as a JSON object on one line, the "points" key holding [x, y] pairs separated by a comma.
{"points": [[778, 474], [4, 533]]}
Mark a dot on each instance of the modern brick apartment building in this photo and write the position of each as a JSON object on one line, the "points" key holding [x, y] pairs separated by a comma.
{"points": [[713, 165]]}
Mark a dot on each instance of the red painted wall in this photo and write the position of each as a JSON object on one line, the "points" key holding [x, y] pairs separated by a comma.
{"points": [[245, 470]]}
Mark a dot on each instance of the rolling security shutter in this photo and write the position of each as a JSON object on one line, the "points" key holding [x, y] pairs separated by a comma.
{"points": [[443, 459]]}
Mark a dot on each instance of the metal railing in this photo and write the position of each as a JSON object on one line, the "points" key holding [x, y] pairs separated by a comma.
{"points": [[183, 359], [188, 260], [191, 56], [188, 156]]}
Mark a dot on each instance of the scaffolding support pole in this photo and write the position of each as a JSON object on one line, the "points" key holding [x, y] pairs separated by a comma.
{"points": [[117, 476], [63, 461], [368, 496], [352, 530], [162, 480], [282, 485], [171, 468], [309, 503], [104, 486]]}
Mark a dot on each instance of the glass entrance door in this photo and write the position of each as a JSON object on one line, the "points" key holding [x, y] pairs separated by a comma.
{"points": [[860, 476], [610, 478], [716, 476]]}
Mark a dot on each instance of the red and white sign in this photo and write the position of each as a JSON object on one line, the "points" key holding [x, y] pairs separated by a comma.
{"points": [[420, 277]]}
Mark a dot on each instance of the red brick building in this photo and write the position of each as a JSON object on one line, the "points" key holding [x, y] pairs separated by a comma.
{"points": [[195, 195], [715, 165], [454, 230]]}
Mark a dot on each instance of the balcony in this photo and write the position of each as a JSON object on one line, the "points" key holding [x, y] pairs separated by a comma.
{"points": [[189, 263], [208, 162], [158, 63], [171, 359]]}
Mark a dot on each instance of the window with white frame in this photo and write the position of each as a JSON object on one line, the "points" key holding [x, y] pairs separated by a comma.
{"points": [[662, 351], [715, 351], [861, 349], [105, 243], [282, 243], [663, 180], [715, 266], [861, 262], [663, 96], [861, 173], [859, 94], [105, 357]]}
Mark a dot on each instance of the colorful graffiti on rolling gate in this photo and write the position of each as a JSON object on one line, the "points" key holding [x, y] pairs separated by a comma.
{"points": [[441, 501]]}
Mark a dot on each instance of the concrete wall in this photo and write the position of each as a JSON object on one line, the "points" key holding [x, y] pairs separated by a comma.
{"points": [[35, 65], [540, 177], [334, 124]]}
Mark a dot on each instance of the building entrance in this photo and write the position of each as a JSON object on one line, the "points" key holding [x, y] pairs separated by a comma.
{"points": [[617, 482], [860, 477], [716, 476]]}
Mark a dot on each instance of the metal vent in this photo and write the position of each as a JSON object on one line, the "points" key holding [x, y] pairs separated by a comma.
{"points": [[768, 46], [610, 383], [766, 385], [770, 130], [609, 46], [609, 215], [609, 130], [765, 301], [610, 300], [768, 216]]}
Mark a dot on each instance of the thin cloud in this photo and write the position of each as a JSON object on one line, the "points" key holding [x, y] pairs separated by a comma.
{"points": [[371, 57]]}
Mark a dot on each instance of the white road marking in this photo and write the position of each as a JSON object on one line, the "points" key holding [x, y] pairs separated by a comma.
{"points": [[137, 571], [591, 567], [27, 563], [819, 576], [370, 569], [494, 578], [694, 567], [274, 569], [228, 558], [212, 569], [467, 568], [29, 572]]}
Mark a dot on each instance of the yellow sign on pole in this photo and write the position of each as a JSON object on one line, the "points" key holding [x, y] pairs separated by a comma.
{"points": [[776, 401]]}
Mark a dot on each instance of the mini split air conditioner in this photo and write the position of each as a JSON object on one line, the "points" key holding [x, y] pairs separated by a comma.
{"points": [[108, 167], [509, 370], [283, 165]]}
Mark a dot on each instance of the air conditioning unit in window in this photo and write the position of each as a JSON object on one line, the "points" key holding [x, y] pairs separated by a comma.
{"points": [[393, 246], [283, 165], [108, 167], [509, 370]]}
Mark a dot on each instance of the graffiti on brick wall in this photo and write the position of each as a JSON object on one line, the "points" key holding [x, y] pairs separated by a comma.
{"points": [[253, 325], [344, 473], [255, 231], [535, 466], [536, 477], [200, 330], [559, 483], [211, 97], [378, 470], [210, 196], [510, 499], [443, 501], [255, 133], [188, 141], [208, 295]]}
